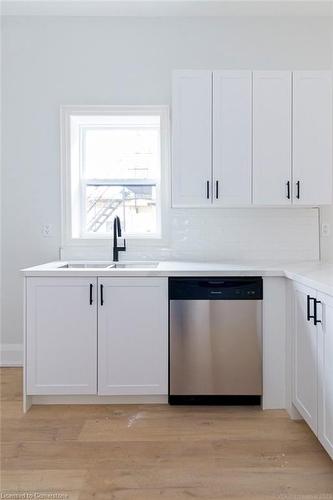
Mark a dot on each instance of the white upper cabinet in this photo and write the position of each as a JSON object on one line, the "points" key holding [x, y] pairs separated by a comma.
{"points": [[133, 336], [241, 138], [325, 372], [272, 137], [232, 137], [61, 335], [192, 138], [312, 137]]}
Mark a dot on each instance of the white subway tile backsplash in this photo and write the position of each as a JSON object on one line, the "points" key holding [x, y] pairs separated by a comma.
{"points": [[224, 234]]}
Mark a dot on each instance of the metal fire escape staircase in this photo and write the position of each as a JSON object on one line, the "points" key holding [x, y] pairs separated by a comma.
{"points": [[95, 220], [98, 219]]}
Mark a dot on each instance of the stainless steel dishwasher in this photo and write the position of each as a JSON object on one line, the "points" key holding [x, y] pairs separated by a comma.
{"points": [[215, 340]]}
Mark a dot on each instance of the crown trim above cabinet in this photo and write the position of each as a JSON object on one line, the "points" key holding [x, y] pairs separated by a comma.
{"points": [[251, 138]]}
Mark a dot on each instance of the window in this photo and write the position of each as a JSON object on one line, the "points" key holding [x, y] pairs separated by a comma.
{"points": [[112, 165]]}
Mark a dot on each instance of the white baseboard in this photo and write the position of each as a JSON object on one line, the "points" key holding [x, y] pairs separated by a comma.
{"points": [[11, 355], [98, 400]]}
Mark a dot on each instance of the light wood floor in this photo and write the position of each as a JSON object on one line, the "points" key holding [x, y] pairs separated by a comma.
{"points": [[158, 452]]}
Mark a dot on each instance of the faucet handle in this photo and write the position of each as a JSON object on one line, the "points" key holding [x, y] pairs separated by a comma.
{"points": [[123, 248]]}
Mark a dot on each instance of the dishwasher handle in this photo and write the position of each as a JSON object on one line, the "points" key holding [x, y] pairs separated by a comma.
{"points": [[213, 283], [226, 283]]}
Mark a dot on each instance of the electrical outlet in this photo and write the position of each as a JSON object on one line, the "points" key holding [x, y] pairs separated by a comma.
{"points": [[325, 229], [47, 230]]}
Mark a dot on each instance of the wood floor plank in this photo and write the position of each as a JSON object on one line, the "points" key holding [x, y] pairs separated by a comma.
{"points": [[147, 452], [45, 479], [227, 483], [11, 410], [268, 455], [46, 429], [199, 428], [11, 383]]}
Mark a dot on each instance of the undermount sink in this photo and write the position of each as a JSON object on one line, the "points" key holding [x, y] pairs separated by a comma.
{"points": [[88, 265], [134, 265], [112, 265]]}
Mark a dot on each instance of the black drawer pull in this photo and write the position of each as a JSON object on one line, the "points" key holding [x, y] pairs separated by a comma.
{"points": [[298, 189], [288, 190], [102, 295]]}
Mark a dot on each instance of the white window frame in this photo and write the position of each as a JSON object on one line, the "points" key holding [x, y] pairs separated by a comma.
{"points": [[68, 152]]}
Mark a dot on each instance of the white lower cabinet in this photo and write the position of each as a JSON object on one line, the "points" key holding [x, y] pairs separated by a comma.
{"points": [[133, 336], [312, 366], [67, 318], [61, 336], [305, 357], [325, 373]]}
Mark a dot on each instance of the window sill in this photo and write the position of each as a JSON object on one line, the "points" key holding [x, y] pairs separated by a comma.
{"points": [[101, 248], [87, 239], [106, 241]]}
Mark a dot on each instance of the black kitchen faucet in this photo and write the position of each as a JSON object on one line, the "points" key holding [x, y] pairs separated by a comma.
{"points": [[117, 234]]}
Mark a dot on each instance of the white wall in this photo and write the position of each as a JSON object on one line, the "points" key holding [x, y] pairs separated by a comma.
{"points": [[326, 216], [327, 212], [52, 61]]}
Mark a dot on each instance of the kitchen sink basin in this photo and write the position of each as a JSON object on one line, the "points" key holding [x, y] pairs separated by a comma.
{"points": [[134, 265], [108, 265], [87, 265]]}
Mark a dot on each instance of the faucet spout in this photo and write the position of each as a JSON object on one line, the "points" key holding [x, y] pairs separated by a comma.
{"points": [[117, 229], [116, 235]]}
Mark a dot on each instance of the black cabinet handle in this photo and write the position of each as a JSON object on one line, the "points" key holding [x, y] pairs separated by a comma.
{"points": [[313, 316], [217, 189], [298, 189], [288, 190], [315, 312], [207, 190], [309, 316], [90, 293], [102, 295], [308, 298]]}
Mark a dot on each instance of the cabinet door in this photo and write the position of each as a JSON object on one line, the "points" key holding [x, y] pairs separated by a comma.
{"points": [[312, 137], [133, 336], [325, 373], [61, 336], [232, 137], [305, 357], [271, 137], [192, 138]]}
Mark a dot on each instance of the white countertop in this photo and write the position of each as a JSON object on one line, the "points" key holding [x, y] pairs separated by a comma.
{"points": [[318, 275]]}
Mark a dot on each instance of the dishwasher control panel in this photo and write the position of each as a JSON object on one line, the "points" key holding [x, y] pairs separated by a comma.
{"points": [[224, 288]]}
